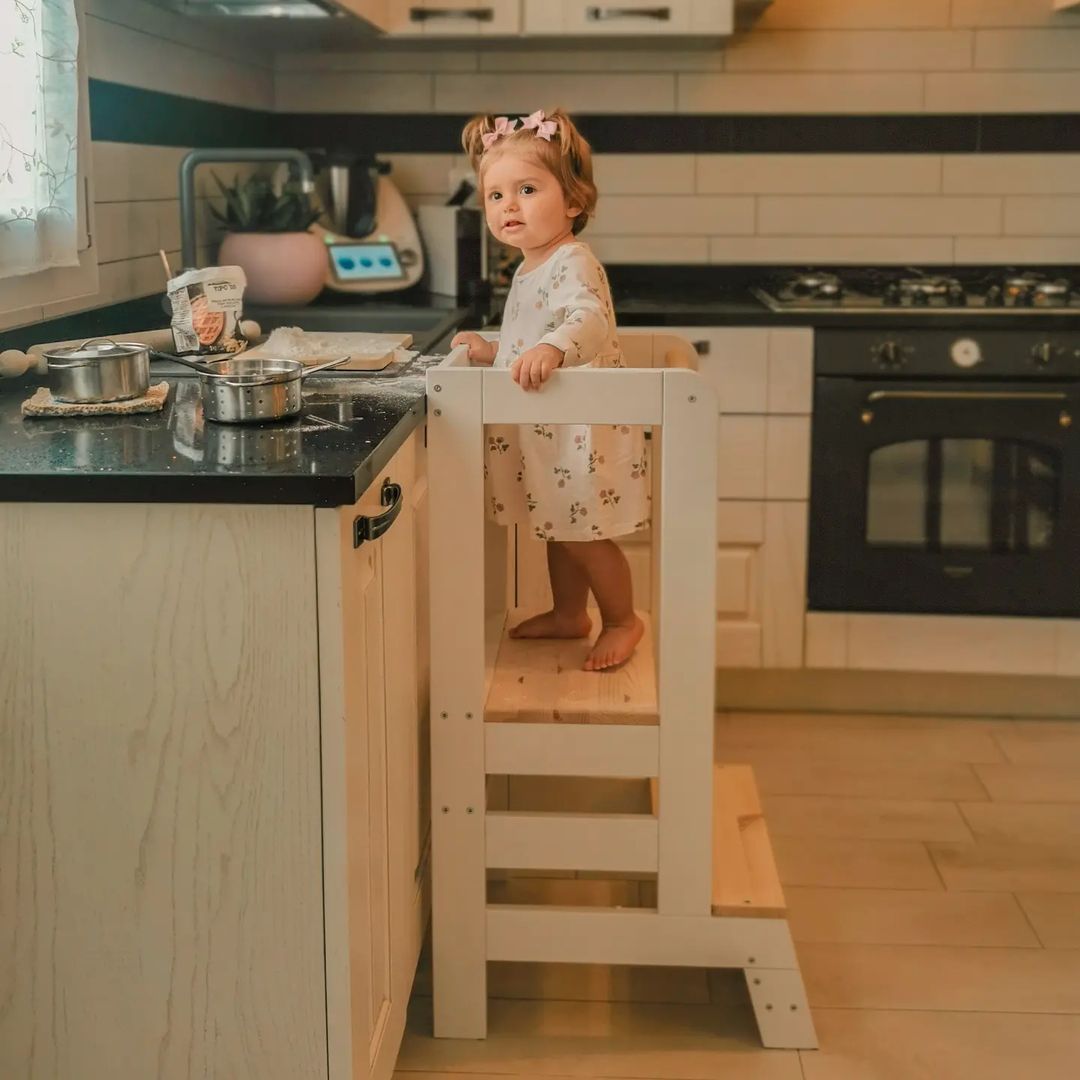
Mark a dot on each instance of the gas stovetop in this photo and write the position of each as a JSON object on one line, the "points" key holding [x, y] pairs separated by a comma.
{"points": [[910, 291]]}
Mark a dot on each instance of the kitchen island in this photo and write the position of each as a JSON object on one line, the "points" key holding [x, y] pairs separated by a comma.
{"points": [[213, 692]]}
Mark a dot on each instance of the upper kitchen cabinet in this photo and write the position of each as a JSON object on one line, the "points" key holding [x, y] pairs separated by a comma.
{"points": [[501, 19], [628, 18], [453, 18]]}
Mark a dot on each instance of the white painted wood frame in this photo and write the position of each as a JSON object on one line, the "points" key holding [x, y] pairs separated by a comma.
{"points": [[676, 840]]}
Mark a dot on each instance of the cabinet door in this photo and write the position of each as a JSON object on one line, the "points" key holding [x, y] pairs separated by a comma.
{"points": [[454, 18]]}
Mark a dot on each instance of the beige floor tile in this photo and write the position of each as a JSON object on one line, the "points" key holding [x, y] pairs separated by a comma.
{"points": [[1056, 824], [907, 917], [781, 773], [659, 1042], [868, 864], [1055, 916], [863, 1044], [1030, 783], [1041, 742], [936, 977], [864, 819], [1007, 867], [873, 737]]}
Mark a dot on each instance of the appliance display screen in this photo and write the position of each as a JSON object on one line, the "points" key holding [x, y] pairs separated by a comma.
{"points": [[366, 262]]}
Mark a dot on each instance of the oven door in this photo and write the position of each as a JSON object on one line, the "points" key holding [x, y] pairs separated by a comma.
{"points": [[945, 497]]}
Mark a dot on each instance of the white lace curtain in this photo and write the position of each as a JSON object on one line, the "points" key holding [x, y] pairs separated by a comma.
{"points": [[39, 126]]}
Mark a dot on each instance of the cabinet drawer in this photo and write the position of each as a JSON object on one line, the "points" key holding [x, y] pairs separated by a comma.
{"points": [[454, 18], [628, 18]]}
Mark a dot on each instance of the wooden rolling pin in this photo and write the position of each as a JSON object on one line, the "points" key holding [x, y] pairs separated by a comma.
{"points": [[14, 363]]}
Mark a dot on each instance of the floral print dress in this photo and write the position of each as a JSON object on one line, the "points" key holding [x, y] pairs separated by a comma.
{"points": [[572, 481]]}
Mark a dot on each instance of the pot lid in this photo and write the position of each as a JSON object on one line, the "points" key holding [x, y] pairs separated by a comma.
{"points": [[93, 350]]}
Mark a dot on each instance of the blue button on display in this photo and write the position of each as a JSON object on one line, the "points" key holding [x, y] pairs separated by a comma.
{"points": [[361, 262]]}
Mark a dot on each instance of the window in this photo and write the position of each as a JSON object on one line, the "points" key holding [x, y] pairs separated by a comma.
{"points": [[44, 148]]}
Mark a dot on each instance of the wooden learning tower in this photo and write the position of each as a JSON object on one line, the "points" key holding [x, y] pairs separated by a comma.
{"points": [[497, 711]]}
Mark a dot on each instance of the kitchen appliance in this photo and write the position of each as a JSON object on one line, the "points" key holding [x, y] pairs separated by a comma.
{"points": [[99, 369], [945, 470], [371, 242], [455, 248], [913, 292]]}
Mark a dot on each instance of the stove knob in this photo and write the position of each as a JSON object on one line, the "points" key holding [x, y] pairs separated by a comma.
{"points": [[889, 355], [1043, 354], [965, 353]]}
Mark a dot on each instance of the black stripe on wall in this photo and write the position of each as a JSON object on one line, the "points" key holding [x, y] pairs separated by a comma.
{"points": [[127, 114]]}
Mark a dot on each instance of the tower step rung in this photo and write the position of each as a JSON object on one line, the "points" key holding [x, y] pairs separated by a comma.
{"points": [[608, 842], [745, 878], [571, 750]]}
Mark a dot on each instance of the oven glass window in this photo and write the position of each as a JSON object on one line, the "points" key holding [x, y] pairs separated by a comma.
{"points": [[963, 494]]}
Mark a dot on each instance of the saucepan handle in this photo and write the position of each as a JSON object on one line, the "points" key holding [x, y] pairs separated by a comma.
{"points": [[322, 367]]}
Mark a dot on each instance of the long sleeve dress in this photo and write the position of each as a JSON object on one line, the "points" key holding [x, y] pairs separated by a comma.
{"points": [[566, 481]]}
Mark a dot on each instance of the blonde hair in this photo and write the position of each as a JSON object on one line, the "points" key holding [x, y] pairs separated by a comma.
{"points": [[567, 156]]}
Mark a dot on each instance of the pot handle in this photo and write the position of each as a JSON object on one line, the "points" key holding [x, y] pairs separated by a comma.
{"points": [[322, 367], [98, 340], [371, 528]]}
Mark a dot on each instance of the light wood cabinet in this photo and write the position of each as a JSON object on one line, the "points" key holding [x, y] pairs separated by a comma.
{"points": [[374, 735], [214, 759]]}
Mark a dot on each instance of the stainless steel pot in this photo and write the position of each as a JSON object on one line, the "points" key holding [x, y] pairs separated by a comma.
{"points": [[256, 391], [99, 370], [250, 390]]}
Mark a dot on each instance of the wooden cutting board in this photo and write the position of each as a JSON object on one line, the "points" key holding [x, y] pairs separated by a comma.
{"points": [[368, 352]]}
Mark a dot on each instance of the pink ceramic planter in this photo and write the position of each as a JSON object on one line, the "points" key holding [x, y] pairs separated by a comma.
{"points": [[281, 268]]}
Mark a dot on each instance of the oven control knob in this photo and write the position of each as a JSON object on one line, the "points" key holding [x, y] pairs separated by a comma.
{"points": [[889, 355], [1043, 354], [965, 353]]}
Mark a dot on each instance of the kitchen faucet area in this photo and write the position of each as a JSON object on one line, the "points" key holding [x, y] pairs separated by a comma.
{"points": [[710, 710]]}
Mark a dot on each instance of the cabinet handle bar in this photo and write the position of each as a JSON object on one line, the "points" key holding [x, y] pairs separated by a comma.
{"points": [[600, 14], [476, 14], [371, 528]]}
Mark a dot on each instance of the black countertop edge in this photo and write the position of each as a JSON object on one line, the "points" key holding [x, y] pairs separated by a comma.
{"points": [[250, 488]]}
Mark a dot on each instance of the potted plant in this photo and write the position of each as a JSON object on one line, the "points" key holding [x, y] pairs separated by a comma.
{"points": [[267, 237]]}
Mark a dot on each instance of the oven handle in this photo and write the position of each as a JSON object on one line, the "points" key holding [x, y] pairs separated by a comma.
{"points": [[966, 395]]}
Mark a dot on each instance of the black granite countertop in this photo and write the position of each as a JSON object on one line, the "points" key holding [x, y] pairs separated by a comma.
{"points": [[350, 428]]}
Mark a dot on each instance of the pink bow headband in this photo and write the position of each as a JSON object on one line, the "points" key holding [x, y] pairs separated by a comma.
{"points": [[544, 129]]}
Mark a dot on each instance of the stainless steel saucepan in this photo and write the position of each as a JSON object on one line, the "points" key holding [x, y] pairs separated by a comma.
{"points": [[247, 390], [99, 369]]}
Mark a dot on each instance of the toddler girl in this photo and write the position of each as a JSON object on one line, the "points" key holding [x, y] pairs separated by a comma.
{"points": [[574, 486]]}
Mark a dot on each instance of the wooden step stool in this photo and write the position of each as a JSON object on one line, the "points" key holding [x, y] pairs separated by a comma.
{"points": [[503, 707]]}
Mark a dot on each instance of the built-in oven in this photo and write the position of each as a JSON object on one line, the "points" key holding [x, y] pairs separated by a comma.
{"points": [[945, 472]]}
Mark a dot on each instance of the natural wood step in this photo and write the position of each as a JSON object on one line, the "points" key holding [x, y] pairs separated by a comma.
{"points": [[543, 682], [745, 880]]}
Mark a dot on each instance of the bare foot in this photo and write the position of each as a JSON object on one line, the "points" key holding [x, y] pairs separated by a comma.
{"points": [[615, 645], [552, 624]]}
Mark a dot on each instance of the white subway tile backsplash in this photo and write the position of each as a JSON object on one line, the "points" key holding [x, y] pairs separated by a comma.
{"points": [[1011, 13], [854, 14], [831, 249], [687, 215], [1004, 92], [798, 93], [592, 58], [1018, 249], [422, 174], [804, 174], [649, 249], [1042, 215], [128, 229], [121, 54], [20, 317], [353, 92], [596, 93], [857, 50], [1012, 174], [644, 174], [377, 59], [877, 215], [1027, 50]]}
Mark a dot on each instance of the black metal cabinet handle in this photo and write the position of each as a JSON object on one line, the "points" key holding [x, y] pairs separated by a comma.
{"points": [[371, 528], [600, 14], [476, 14]]}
